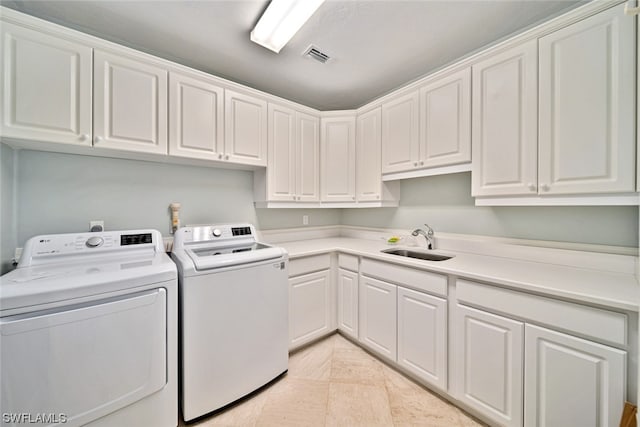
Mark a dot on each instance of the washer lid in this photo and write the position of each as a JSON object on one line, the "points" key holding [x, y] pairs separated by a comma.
{"points": [[52, 283], [210, 257]]}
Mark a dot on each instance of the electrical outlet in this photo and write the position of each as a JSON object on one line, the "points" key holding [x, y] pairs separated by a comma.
{"points": [[305, 219], [98, 224]]}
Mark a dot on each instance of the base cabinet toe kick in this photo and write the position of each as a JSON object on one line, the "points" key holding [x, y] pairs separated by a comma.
{"points": [[509, 357]]}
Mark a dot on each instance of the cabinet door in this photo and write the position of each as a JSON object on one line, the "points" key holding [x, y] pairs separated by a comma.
{"points": [[505, 122], [377, 312], [308, 157], [309, 307], [488, 361], [130, 104], [571, 381], [445, 120], [338, 165], [196, 111], [368, 152], [400, 143], [281, 173], [587, 107], [422, 336], [45, 103], [245, 129], [348, 302]]}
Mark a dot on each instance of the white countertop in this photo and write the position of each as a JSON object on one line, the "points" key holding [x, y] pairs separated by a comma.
{"points": [[608, 289]]}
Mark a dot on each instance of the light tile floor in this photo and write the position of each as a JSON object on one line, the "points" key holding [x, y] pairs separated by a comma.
{"points": [[335, 383]]}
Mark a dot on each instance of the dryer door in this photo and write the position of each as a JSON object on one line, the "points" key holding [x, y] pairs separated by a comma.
{"points": [[77, 363]]}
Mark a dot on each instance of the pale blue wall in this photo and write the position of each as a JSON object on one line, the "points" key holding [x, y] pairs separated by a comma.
{"points": [[8, 232], [445, 203], [60, 193]]}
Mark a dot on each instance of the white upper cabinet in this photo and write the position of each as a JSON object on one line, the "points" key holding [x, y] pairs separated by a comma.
{"points": [[587, 109], [294, 152], [130, 104], [368, 140], [282, 153], [400, 130], [505, 102], [558, 366], [445, 120], [245, 129], [196, 111], [46, 87], [307, 157], [338, 162]]}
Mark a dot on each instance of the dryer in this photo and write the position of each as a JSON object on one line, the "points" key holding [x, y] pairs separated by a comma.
{"points": [[88, 332]]}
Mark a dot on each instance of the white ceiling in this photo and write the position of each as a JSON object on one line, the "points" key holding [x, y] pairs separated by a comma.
{"points": [[376, 45]]}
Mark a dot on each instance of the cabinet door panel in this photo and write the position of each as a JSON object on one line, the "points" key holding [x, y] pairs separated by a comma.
{"points": [[587, 106], [245, 129], [400, 127], [488, 364], [281, 170], [309, 307], [571, 381], [422, 341], [45, 103], [196, 111], [378, 316], [368, 151], [308, 155], [338, 149], [130, 104], [445, 120], [348, 302], [504, 125]]}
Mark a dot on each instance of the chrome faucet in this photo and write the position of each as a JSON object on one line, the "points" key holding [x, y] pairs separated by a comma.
{"points": [[428, 235]]}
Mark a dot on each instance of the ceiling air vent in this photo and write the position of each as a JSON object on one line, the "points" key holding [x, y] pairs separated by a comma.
{"points": [[315, 53]]}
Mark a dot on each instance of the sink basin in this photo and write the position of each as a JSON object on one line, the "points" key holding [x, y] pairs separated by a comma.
{"points": [[416, 254]]}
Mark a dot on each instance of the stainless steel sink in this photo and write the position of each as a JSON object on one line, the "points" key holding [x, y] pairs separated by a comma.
{"points": [[416, 254]]}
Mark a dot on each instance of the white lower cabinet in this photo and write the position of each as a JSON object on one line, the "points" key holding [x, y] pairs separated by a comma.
{"points": [[310, 307], [348, 302], [570, 381], [377, 312], [422, 336], [488, 364]]}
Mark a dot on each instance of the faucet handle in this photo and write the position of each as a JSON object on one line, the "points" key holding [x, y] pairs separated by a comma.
{"points": [[429, 230]]}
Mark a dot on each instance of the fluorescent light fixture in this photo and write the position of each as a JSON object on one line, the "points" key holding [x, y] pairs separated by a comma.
{"points": [[281, 20]]}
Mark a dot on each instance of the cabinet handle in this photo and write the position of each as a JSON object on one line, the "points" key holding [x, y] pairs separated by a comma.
{"points": [[226, 157], [377, 196], [84, 137], [415, 163], [97, 140], [219, 156], [294, 197], [545, 187], [298, 197], [421, 162], [353, 198], [531, 186]]}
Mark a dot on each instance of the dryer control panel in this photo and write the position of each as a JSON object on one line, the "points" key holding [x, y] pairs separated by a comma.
{"points": [[45, 248]]}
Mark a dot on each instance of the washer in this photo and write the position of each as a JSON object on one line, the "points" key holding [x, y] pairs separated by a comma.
{"points": [[88, 324], [234, 314]]}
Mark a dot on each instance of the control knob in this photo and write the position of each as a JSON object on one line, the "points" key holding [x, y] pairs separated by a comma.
{"points": [[94, 242], [217, 232]]}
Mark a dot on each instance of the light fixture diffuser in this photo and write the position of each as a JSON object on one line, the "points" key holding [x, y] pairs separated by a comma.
{"points": [[281, 20]]}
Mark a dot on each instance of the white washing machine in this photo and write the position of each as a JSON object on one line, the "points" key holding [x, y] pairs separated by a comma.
{"points": [[234, 314], [88, 332]]}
